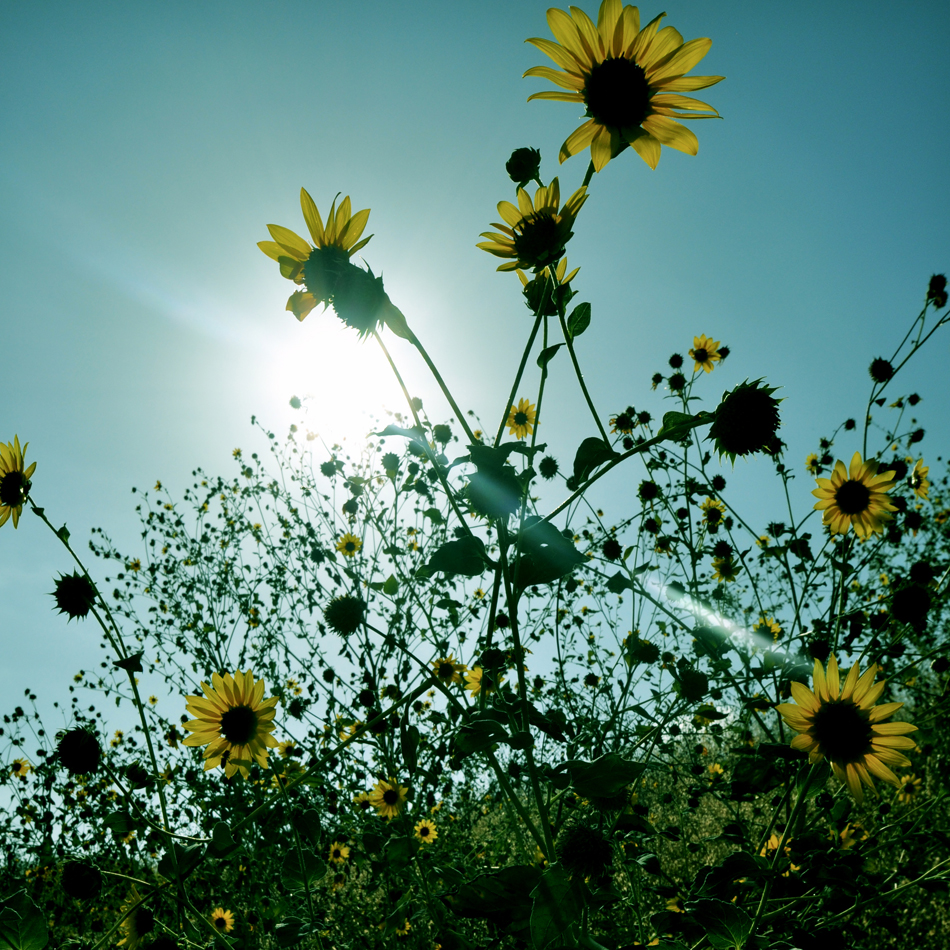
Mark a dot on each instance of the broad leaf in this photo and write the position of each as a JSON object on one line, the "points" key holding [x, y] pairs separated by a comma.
{"points": [[591, 454], [579, 320]]}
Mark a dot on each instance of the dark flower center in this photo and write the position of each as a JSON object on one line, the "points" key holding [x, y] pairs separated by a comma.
{"points": [[446, 671], [538, 241], [239, 724], [337, 854], [521, 418], [700, 355], [843, 731], [13, 489], [853, 497], [220, 922], [713, 516], [350, 546], [144, 920], [423, 832], [390, 796], [617, 93]]}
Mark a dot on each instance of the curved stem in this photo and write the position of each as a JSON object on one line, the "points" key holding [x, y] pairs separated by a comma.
{"points": [[569, 340]]}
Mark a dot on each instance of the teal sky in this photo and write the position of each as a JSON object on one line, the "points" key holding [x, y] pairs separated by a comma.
{"points": [[146, 146]]}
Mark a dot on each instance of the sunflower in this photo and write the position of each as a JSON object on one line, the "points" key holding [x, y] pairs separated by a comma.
{"points": [[362, 801], [713, 512], [627, 78], [339, 852], [725, 569], [403, 929], [222, 920], [233, 720], [317, 267], [910, 788], [475, 679], [348, 545], [813, 464], [388, 798], [137, 924], [842, 724], [448, 670], [705, 352], [534, 235], [521, 419], [767, 623], [426, 831], [857, 496], [20, 768], [918, 479], [14, 480]]}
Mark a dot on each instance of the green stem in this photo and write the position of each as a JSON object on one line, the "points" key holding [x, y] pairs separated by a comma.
{"points": [[568, 339], [520, 373]]}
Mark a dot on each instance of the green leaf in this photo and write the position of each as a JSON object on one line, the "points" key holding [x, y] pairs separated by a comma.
{"points": [[476, 736], [131, 664], [308, 823], [619, 583], [693, 684], [415, 434], [727, 926], [502, 897], [22, 926], [546, 554], [545, 355], [579, 320], [391, 585], [188, 859], [558, 902], [63, 534], [591, 453], [603, 777], [222, 842], [297, 875], [409, 741], [677, 425], [466, 556], [434, 515]]}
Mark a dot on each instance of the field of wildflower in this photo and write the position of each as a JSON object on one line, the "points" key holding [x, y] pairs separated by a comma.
{"points": [[423, 706]]}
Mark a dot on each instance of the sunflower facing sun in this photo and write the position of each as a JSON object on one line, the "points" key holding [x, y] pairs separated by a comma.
{"points": [[233, 720], [628, 79], [14, 480], [840, 723], [534, 235], [855, 497]]}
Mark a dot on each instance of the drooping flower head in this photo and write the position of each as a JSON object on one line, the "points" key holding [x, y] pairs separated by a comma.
{"points": [[855, 497], [234, 721], [534, 234], [841, 723], [14, 480], [628, 79]]}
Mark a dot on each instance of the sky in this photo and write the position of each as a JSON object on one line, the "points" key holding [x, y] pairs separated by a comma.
{"points": [[146, 147]]}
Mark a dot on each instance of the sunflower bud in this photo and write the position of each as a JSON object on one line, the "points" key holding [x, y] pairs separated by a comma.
{"points": [[937, 291], [344, 614], [80, 880], [746, 420], [548, 467], [880, 370], [74, 595], [911, 605], [524, 166], [79, 751], [584, 851]]}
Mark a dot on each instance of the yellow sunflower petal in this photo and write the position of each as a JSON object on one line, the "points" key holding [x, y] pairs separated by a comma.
{"points": [[853, 782], [664, 43], [564, 80], [893, 728], [883, 711], [850, 682], [558, 53], [832, 677], [872, 695], [578, 140], [292, 243], [878, 768], [892, 742], [803, 743], [682, 61], [565, 32], [312, 216], [687, 83], [804, 696], [600, 147], [820, 683], [669, 132]]}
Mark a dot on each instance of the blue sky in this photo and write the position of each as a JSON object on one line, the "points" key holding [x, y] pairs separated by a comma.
{"points": [[146, 146]]}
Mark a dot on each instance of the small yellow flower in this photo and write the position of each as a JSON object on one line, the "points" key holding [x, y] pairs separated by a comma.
{"points": [[14, 480], [20, 768], [812, 464], [852, 834], [349, 545], [339, 852], [768, 623], [910, 788], [705, 353], [362, 801], [388, 798], [448, 670], [403, 929], [521, 419], [918, 479], [725, 569], [856, 496], [426, 831], [713, 511], [222, 920]]}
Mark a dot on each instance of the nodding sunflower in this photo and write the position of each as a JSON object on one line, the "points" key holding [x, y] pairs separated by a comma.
{"points": [[14, 480], [426, 831], [705, 353], [349, 545], [534, 235], [339, 852], [521, 419], [222, 920], [233, 720], [448, 670], [318, 268], [918, 479], [855, 497], [388, 798], [628, 79], [840, 723]]}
